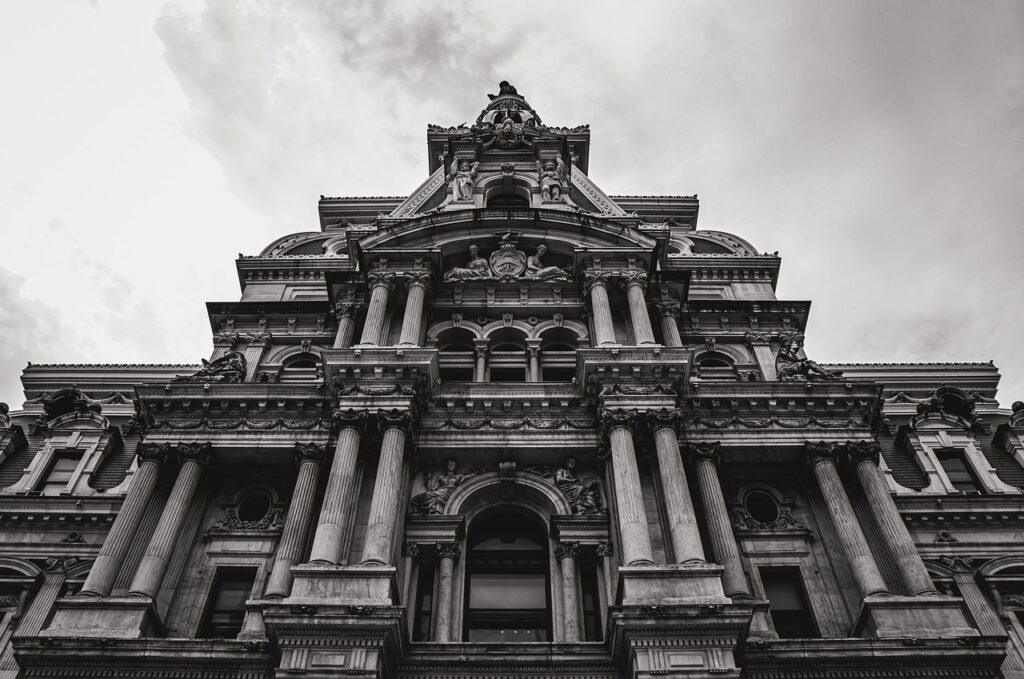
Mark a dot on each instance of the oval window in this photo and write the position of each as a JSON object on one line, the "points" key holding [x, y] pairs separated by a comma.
{"points": [[254, 507], [761, 506]]}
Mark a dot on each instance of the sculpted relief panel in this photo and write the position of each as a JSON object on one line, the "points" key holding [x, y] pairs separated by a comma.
{"points": [[508, 262]]}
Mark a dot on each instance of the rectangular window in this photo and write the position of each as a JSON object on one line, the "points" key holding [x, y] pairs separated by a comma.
{"points": [[225, 609], [61, 471], [787, 603], [958, 471], [592, 628], [424, 602]]}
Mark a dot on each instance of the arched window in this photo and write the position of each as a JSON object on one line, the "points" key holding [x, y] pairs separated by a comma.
{"points": [[301, 368], [455, 355], [507, 589], [508, 200], [507, 356], [558, 355], [716, 366]]}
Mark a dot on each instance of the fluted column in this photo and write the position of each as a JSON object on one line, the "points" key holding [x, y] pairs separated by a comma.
{"points": [[346, 313], [722, 541], [381, 285], [255, 344], [150, 574], [566, 553], [633, 530], [533, 356], [668, 310], [682, 520], [447, 553], [822, 458], [596, 287], [635, 283], [480, 353], [330, 528], [223, 342], [901, 545], [417, 285], [300, 512], [103, 573], [383, 520], [760, 343]]}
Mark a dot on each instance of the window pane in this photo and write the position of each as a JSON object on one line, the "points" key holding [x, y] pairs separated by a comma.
{"points": [[520, 591]]}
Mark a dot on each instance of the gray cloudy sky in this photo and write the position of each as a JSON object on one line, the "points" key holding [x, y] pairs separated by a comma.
{"points": [[878, 146]]}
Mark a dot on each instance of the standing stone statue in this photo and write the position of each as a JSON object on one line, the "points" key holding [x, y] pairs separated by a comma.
{"points": [[552, 176], [477, 267], [461, 177], [439, 488]]}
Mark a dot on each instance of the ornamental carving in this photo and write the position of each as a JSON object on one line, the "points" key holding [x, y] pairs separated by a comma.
{"points": [[311, 452], [553, 177], [447, 550], [705, 452], [198, 452], [507, 263], [790, 367], [1015, 600], [567, 550], [461, 178], [440, 487], [785, 520], [583, 498], [229, 368]]}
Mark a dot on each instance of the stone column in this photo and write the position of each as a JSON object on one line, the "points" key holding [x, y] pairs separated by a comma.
{"points": [[636, 538], [150, 574], [255, 343], [668, 309], [111, 557], [223, 342], [447, 553], [760, 343], [596, 286], [480, 368], [912, 570], [383, 520], [977, 604], [533, 356], [346, 313], [381, 284], [300, 512], [635, 283], [682, 520], [724, 549], [412, 321], [822, 458], [566, 553], [330, 529]]}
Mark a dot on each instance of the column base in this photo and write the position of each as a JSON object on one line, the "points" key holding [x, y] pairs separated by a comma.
{"points": [[677, 584], [887, 617], [125, 617], [330, 584]]}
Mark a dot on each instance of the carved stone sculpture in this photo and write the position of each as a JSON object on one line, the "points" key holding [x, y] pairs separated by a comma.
{"points": [[5, 420], [552, 176], [535, 267], [583, 498], [228, 368], [461, 179], [791, 368], [476, 268], [439, 488]]}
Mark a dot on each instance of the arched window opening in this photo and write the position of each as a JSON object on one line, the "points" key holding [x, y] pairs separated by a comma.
{"points": [[507, 360], [508, 200], [716, 366], [507, 587], [301, 368], [455, 355], [558, 355]]}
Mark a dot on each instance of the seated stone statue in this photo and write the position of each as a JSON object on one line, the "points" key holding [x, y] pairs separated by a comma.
{"points": [[583, 498], [790, 367], [439, 488], [535, 267], [476, 268], [228, 368]]}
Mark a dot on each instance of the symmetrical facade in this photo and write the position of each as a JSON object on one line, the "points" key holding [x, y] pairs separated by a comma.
{"points": [[510, 425]]}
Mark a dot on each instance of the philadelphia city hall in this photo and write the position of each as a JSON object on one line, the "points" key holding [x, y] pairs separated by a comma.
{"points": [[511, 426]]}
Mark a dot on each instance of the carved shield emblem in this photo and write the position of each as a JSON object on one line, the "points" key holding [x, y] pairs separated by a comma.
{"points": [[507, 261]]}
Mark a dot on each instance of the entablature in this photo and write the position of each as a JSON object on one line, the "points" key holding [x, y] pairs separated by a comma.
{"points": [[739, 317], [919, 380], [289, 268]]}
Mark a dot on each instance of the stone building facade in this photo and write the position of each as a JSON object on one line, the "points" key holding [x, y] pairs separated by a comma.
{"points": [[510, 425]]}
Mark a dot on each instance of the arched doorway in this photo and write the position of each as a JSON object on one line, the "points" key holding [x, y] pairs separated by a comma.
{"points": [[507, 592]]}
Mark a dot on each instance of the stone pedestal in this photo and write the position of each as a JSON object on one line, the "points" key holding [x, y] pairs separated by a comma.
{"points": [[918, 617], [360, 585], [679, 584], [128, 617]]}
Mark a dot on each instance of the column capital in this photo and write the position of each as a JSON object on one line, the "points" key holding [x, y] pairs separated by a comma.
{"points": [[705, 452], [594, 278], [532, 348], [414, 278], [758, 337], [567, 550], [611, 419], [863, 451], [665, 418], [668, 308], [347, 308], [447, 550], [481, 347], [225, 339], [153, 452], [351, 419], [384, 279], [631, 277], [256, 339], [309, 452], [821, 451], [395, 419], [196, 451], [411, 549], [604, 550]]}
